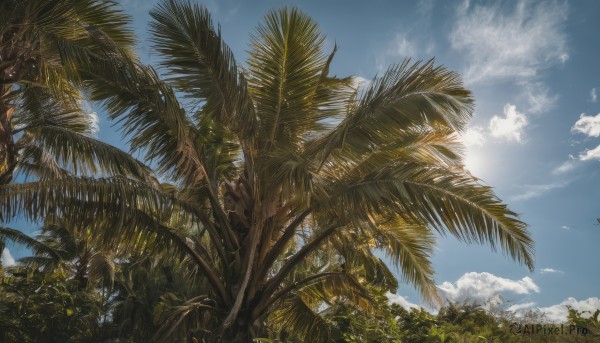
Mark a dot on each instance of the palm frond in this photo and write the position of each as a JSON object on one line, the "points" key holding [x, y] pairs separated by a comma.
{"points": [[41, 27], [84, 155], [18, 237], [358, 253], [38, 108], [182, 317], [287, 76], [410, 247], [37, 200], [295, 316], [108, 17], [201, 65], [335, 286], [445, 199], [37, 162], [150, 113], [406, 96], [102, 267]]}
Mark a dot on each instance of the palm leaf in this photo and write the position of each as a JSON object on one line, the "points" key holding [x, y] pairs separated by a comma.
{"points": [[287, 76], [406, 96], [295, 316], [37, 200], [85, 155], [18, 237], [181, 318], [201, 65], [442, 198], [410, 248], [150, 112]]}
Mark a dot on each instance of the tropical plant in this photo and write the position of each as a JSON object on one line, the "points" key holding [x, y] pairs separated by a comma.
{"points": [[284, 180], [46, 306], [46, 129], [352, 325]]}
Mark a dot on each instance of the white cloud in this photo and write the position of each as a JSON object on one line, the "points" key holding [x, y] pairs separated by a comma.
{"points": [[593, 154], [425, 7], [473, 136], [93, 119], [520, 307], [589, 125], [7, 258], [511, 126], [510, 44], [413, 41], [481, 287], [593, 95], [567, 166], [360, 83], [538, 96], [564, 227], [558, 313], [532, 191], [400, 300], [403, 46], [94, 123], [550, 270]]}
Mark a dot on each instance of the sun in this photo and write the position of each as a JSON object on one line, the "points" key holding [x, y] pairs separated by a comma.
{"points": [[474, 163]]}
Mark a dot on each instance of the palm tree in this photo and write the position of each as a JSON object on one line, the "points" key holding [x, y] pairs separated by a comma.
{"points": [[45, 130], [284, 180]]}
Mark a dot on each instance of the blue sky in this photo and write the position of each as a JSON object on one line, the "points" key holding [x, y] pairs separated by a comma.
{"points": [[535, 137]]}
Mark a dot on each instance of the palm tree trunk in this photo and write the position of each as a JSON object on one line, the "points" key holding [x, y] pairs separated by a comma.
{"points": [[243, 330], [8, 153]]}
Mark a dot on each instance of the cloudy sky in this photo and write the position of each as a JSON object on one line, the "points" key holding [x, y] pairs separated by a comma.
{"points": [[535, 137]]}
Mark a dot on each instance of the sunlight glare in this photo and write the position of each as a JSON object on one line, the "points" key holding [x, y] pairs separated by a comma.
{"points": [[474, 164]]}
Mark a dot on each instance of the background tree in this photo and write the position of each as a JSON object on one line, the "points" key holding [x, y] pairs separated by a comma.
{"points": [[52, 295], [46, 128], [38, 306]]}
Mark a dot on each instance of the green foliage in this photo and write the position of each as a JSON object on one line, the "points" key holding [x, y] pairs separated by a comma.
{"points": [[46, 127], [459, 323], [46, 307]]}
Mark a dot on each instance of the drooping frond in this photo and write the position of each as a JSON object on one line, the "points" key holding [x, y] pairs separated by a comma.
{"points": [[18, 237], [57, 137], [37, 163], [409, 247], [102, 267], [334, 286], [37, 200], [86, 155], [40, 31], [358, 257], [150, 113], [39, 108], [296, 317], [442, 198]]}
